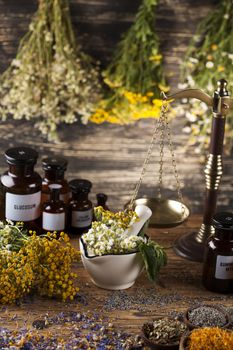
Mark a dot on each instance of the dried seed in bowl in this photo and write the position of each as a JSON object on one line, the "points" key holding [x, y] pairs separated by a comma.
{"points": [[164, 331], [207, 316]]}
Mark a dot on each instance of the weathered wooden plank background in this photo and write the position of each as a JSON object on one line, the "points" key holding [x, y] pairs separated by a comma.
{"points": [[111, 156]]}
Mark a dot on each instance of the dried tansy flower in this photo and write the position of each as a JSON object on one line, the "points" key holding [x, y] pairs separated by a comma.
{"points": [[35, 264], [121, 219]]}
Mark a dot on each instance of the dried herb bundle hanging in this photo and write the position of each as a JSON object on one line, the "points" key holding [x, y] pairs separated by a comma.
{"points": [[51, 80], [134, 76], [209, 58], [136, 63]]}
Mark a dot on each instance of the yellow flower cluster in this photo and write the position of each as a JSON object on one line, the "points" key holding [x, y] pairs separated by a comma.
{"points": [[16, 276], [42, 265], [121, 219], [127, 107]]}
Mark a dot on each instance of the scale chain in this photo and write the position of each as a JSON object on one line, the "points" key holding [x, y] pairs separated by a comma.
{"points": [[174, 165], [162, 124], [161, 146], [148, 156]]}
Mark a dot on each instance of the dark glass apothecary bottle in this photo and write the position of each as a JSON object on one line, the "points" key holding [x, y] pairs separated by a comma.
{"points": [[80, 207], [102, 200], [54, 168], [21, 187], [54, 211], [218, 260]]}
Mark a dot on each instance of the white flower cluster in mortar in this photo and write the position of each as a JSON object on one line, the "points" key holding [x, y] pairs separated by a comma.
{"points": [[102, 239]]}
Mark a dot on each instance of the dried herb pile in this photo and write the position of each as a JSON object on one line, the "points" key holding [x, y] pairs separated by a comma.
{"points": [[206, 316], [164, 331], [210, 338], [35, 264]]}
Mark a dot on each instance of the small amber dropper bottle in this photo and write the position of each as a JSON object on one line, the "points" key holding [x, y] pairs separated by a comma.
{"points": [[80, 207], [101, 200], [54, 211]]}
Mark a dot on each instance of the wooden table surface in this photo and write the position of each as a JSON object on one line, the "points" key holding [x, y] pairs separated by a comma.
{"points": [[179, 287]]}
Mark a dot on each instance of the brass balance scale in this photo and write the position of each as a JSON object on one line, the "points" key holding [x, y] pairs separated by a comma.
{"points": [[170, 213]]}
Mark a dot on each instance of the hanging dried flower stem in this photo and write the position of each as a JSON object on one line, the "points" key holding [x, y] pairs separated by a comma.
{"points": [[51, 80], [209, 58], [134, 77]]}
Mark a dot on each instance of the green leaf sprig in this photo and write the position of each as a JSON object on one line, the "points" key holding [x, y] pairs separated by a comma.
{"points": [[154, 258]]}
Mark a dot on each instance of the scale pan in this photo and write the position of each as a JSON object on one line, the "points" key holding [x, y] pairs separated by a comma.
{"points": [[165, 212]]}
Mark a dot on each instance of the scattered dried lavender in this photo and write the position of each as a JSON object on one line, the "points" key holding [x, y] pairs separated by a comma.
{"points": [[86, 332], [207, 316], [164, 331], [121, 300], [144, 297]]}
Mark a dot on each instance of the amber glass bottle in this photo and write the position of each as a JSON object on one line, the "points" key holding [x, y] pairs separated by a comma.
{"points": [[80, 207], [101, 200], [54, 168], [218, 260], [21, 187], [54, 211]]}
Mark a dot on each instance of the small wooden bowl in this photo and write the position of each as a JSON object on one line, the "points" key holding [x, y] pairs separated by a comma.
{"points": [[191, 326], [156, 346]]}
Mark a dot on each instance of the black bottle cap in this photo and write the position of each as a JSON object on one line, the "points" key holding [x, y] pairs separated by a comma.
{"points": [[21, 155], [54, 163], [80, 185], [223, 221], [101, 197]]}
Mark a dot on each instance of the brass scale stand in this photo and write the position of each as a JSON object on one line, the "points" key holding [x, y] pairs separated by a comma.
{"points": [[170, 213]]}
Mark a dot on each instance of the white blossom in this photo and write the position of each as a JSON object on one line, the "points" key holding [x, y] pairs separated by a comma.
{"points": [[209, 64]]}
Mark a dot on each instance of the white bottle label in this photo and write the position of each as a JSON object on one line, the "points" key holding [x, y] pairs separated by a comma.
{"points": [[53, 222], [82, 218], [224, 267], [23, 207]]}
